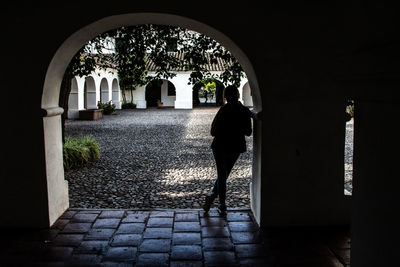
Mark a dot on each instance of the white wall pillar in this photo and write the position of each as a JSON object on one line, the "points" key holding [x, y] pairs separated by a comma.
{"points": [[168, 101], [246, 95], [184, 91], [57, 186], [81, 98], [139, 97]]}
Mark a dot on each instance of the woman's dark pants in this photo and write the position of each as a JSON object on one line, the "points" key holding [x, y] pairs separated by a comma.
{"points": [[225, 161]]}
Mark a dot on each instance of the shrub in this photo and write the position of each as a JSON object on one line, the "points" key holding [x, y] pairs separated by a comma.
{"points": [[128, 106], [80, 150], [108, 108]]}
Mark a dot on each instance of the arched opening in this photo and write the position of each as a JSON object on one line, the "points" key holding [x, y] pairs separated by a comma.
{"points": [[153, 93], [90, 96], [160, 91], [205, 96], [57, 189], [171, 89], [104, 91], [116, 94], [73, 102]]}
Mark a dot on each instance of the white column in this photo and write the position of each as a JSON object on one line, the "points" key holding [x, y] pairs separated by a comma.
{"points": [[247, 98], [168, 101], [184, 91], [57, 186], [139, 97]]}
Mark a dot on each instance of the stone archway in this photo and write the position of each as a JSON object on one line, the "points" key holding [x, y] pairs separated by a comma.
{"points": [[57, 189]]}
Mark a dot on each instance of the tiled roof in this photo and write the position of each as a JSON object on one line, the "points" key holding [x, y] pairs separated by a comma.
{"points": [[218, 66]]}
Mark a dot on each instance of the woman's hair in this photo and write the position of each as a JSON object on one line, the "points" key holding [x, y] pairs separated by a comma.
{"points": [[231, 93]]}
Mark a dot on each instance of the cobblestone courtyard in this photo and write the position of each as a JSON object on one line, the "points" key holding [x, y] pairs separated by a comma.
{"points": [[154, 158], [160, 158]]}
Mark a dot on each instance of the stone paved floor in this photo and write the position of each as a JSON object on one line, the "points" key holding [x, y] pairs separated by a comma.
{"points": [[171, 238]]}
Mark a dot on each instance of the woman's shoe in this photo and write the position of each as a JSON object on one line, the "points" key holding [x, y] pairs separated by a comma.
{"points": [[207, 203], [222, 210]]}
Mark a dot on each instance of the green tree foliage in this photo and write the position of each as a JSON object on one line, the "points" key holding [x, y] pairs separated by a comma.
{"points": [[201, 50], [136, 45], [209, 85]]}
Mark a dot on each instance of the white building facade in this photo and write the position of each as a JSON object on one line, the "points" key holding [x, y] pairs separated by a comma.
{"points": [[103, 86], [87, 91], [183, 99]]}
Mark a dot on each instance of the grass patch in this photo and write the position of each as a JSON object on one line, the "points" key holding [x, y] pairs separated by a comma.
{"points": [[128, 106], [78, 151]]}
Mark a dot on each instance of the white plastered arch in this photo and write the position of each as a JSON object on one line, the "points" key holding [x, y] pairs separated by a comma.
{"points": [[56, 185]]}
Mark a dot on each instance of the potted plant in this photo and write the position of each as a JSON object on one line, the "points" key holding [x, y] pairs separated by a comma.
{"points": [[91, 114], [108, 108]]}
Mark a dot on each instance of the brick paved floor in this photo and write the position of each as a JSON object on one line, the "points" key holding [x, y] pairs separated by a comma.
{"points": [[171, 238]]}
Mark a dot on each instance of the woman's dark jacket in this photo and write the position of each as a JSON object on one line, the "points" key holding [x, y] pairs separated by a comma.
{"points": [[229, 127]]}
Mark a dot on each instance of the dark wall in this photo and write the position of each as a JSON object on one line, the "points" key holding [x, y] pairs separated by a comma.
{"points": [[303, 54]]}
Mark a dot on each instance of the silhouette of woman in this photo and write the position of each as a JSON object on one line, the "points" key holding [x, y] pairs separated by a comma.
{"points": [[229, 127]]}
